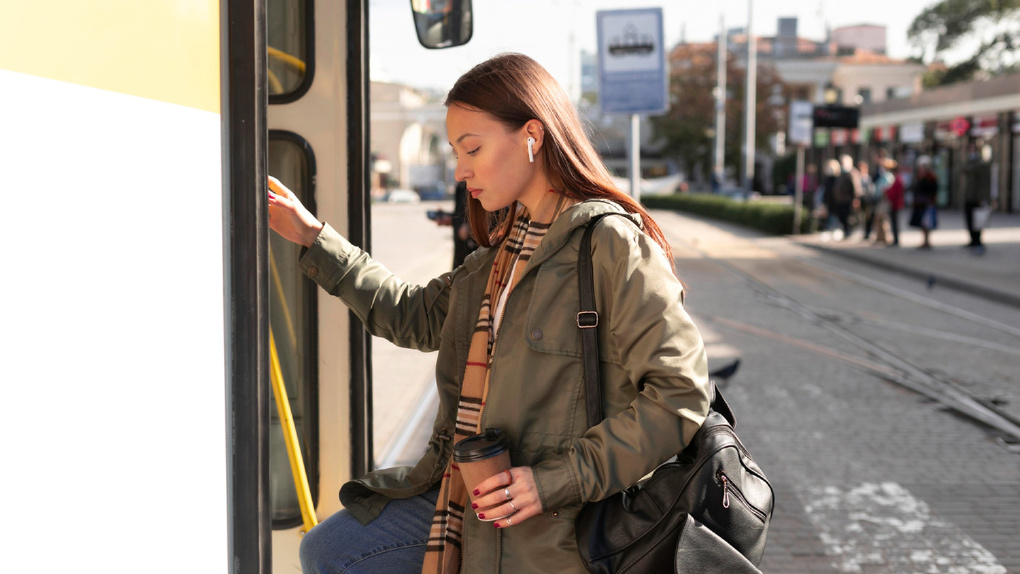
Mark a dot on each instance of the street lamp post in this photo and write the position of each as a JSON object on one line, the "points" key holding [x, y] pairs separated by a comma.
{"points": [[750, 102], [718, 167]]}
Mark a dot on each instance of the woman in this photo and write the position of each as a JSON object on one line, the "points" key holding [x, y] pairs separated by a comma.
{"points": [[504, 324], [924, 214]]}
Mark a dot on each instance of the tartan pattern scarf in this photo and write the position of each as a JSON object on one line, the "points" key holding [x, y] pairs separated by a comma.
{"points": [[443, 551]]}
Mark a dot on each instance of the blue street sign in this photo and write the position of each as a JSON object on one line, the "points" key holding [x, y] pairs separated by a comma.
{"points": [[632, 61]]}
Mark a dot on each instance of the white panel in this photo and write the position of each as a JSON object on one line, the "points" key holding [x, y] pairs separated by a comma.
{"points": [[112, 306]]}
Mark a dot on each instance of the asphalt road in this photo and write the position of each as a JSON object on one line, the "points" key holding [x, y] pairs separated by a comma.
{"points": [[880, 410]]}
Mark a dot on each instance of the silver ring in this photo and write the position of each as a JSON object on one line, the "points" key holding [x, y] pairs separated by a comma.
{"points": [[506, 491], [509, 521], [512, 506]]}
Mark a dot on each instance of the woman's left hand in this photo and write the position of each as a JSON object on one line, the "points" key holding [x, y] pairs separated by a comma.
{"points": [[514, 499]]}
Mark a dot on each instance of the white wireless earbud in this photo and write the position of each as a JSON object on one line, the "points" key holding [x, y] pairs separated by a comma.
{"points": [[531, 150]]}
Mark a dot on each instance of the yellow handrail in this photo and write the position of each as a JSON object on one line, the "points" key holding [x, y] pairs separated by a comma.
{"points": [[297, 465], [281, 297], [275, 85], [288, 59]]}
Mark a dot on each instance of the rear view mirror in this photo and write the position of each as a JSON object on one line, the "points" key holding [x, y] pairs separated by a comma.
{"points": [[442, 23]]}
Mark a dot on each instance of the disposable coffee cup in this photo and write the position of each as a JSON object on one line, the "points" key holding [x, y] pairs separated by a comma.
{"points": [[481, 456]]}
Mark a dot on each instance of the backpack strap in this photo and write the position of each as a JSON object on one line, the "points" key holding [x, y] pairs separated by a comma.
{"points": [[588, 320]]}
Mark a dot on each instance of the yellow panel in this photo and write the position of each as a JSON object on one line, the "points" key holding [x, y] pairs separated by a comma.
{"points": [[167, 50]]}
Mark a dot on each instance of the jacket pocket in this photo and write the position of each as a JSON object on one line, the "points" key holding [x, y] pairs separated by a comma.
{"points": [[552, 317]]}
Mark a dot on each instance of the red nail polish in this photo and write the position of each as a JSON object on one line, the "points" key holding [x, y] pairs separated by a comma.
{"points": [[482, 516], [477, 492], [473, 505], [497, 525]]}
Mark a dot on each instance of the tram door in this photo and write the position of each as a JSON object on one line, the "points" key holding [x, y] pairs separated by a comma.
{"points": [[318, 147]]}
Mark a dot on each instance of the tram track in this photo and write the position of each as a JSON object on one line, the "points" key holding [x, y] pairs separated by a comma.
{"points": [[878, 360], [913, 298]]}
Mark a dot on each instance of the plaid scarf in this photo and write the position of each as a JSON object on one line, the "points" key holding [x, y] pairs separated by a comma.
{"points": [[442, 553]]}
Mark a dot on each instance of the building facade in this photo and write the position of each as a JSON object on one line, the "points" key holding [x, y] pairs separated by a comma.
{"points": [[944, 123], [409, 145], [851, 64]]}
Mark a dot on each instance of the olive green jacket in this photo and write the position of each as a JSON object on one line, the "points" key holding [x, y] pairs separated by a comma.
{"points": [[654, 375]]}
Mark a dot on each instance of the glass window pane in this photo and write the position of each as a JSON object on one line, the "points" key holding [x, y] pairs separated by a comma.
{"points": [[412, 174], [293, 323], [289, 40]]}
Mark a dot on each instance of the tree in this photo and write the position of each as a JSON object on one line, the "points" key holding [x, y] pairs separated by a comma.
{"points": [[985, 31], [688, 126]]}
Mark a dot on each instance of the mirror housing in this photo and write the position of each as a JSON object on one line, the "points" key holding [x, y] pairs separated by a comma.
{"points": [[442, 23]]}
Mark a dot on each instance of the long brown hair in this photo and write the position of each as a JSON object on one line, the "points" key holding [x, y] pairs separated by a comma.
{"points": [[513, 89]]}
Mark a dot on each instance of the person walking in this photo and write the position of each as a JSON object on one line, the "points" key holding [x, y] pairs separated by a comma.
{"points": [[869, 196], [977, 194], [847, 193], [825, 205], [887, 212], [924, 214], [509, 350]]}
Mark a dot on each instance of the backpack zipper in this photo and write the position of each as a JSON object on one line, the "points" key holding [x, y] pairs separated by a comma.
{"points": [[728, 487]]}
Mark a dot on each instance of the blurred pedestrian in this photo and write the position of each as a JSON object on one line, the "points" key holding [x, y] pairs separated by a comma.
{"points": [[809, 183], [869, 196], [924, 214], [463, 243], [977, 193], [825, 204], [846, 193], [887, 210]]}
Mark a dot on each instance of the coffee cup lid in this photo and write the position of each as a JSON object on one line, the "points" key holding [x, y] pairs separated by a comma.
{"points": [[480, 446]]}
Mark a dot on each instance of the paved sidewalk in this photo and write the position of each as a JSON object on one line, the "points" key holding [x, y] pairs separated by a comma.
{"points": [[994, 275]]}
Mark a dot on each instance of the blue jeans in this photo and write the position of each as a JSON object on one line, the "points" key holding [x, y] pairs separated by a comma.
{"points": [[392, 543]]}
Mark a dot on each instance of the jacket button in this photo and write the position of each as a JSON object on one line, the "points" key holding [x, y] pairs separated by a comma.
{"points": [[313, 271], [536, 334]]}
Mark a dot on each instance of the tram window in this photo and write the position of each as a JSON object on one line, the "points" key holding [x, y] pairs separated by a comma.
{"points": [[292, 320], [289, 28]]}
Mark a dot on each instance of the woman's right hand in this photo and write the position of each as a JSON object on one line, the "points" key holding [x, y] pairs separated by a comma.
{"points": [[288, 217]]}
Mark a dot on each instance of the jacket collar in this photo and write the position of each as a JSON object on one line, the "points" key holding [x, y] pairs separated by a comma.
{"points": [[571, 219], [559, 234]]}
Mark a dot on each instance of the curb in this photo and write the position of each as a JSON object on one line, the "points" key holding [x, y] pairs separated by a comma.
{"points": [[989, 293]]}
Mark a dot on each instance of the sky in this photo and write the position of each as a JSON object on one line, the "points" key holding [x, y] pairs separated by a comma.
{"points": [[555, 31]]}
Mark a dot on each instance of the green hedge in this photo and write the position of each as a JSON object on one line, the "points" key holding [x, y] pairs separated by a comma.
{"points": [[773, 218]]}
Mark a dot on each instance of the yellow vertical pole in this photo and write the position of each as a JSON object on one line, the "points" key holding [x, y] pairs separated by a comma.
{"points": [[297, 465]]}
